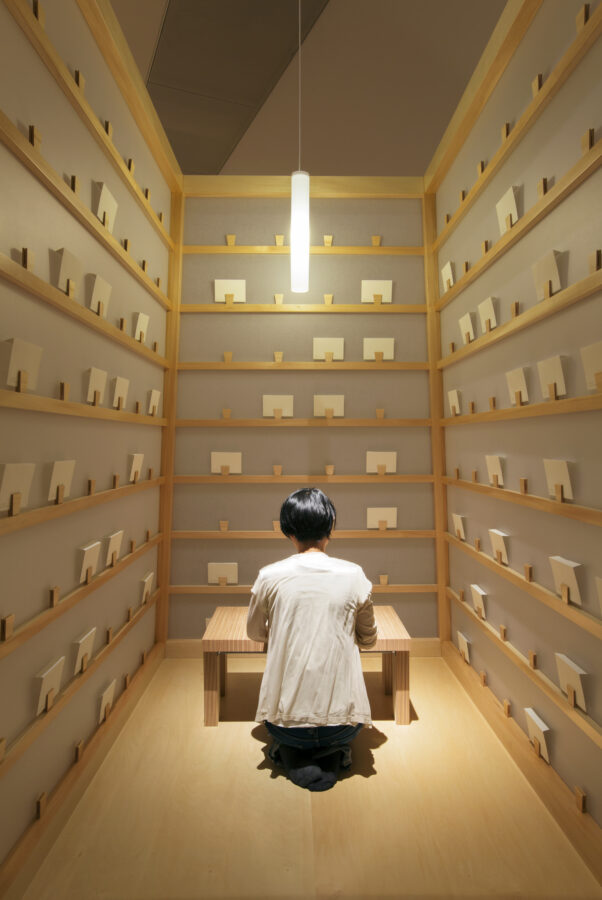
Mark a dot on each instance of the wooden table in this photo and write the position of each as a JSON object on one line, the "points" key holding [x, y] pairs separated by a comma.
{"points": [[227, 633]]}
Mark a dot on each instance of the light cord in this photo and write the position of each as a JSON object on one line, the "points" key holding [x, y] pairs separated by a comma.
{"points": [[299, 78]]}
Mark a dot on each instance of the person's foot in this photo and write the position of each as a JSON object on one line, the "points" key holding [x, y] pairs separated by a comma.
{"points": [[330, 766], [299, 767]]}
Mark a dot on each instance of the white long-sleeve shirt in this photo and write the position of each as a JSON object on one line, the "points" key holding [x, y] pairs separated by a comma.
{"points": [[317, 612]]}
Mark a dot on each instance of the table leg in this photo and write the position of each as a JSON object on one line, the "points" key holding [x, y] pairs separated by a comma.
{"points": [[401, 687], [387, 671], [211, 687], [223, 671]]}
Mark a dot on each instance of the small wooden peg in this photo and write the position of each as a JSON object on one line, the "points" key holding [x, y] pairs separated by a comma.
{"points": [[126, 681], [378, 298], [132, 545], [80, 80], [41, 804], [518, 398], [226, 413], [382, 524], [587, 141], [7, 626], [488, 325], [514, 309], [598, 380], [131, 165], [547, 290], [528, 570], [150, 474], [278, 356], [107, 712], [467, 338], [113, 558], [230, 240], [144, 265], [160, 218], [524, 485], [276, 524], [35, 138], [223, 525], [228, 356], [380, 413], [91, 486], [571, 696], [383, 579], [54, 596], [452, 347], [536, 84], [448, 284], [84, 663], [115, 481], [122, 324], [559, 493], [532, 659], [552, 391], [328, 240], [465, 266], [378, 356], [471, 407], [462, 595], [480, 167], [22, 379], [498, 557], [224, 470], [565, 593], [458, 534], [496, 480], [222, 580], [229, 298], [277, 470], [74, 183], [328, 356], [582, 17], [70, 288], [376, 240], [109, 128], [147, 194], [96, 400], [509, 222], [39, 13], [143, 658], [89, 575], [328, 299], [503, 632], [120, 403], [60, 494], [462, 196], [109, 635], [492, 403], [130, 614], [381, 469], [507, 708], [136, 477], [483, 677], [278, 298], [126, 245], [477, 544], [329, 469], [580, 799], [536, 747], [14, 506], [329, 412], [595, 261], [475, 476], [279, 240], [457, 473], [278, 412], [26, 258], [447, 220], [484, 247], [79, 751], [147, 535], [542, 187], [505, 130]]}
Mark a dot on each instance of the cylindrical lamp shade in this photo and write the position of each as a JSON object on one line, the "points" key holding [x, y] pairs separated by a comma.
{"points": [[300, 232]]}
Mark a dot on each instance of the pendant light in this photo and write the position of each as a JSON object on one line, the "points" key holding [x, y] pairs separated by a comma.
{"points": [[299, 206]]}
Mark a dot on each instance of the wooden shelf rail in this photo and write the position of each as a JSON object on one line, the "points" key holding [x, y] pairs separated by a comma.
{"points": [[33, 160], [301, 423], [353, 534], [574, 614], [585, 40], [305, 366], [392, 478], [33, 626], [38, 403], [30, 517], [579, 718], [359, 308], [23, 15], [41, 290], [586, 403], [17, 748], [587, 514], [563, 188], [318, 250], [581, 290], [213, 589]]}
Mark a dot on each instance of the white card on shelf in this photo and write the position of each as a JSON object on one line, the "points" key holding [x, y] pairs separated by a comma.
{"points": [[15, 478], [564, 572], [68, 268], [62, 473], [90, 554], [136, 460], [377, 514], [107, 698], [550, 372], [466, 326], [335, 402], [217, 570], [324, 345], [372, 346], [235, 286], [454, 401], [478, 599], [101, 293], [498, 543], [97, 381], [507, 206], [49, 679], [104, 205], [141, 326], [371, 287], [154, 399], [271, 402], [570, 675], [544, 271], [376, 458], [447, 274], [537, 730], [146, 587], [458, 523], [591, 358], [113, 546], [494, 467], [121, 387], [486, 310], [84, 647], [515, 379], [557, 472], [17, 356], [232, 459], [463, 646]]}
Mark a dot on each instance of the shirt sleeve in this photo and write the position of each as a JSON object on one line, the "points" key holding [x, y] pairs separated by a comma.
{"points": [[366, 633], [257, 616]]}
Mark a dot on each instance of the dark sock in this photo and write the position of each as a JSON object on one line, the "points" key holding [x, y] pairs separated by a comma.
{"points": [[299, 767], [330, 767]]}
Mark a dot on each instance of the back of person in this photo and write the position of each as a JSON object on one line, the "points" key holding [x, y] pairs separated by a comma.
{"points": [[319, 612]]}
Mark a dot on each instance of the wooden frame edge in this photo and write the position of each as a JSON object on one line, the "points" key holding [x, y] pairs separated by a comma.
{"points": [[339, 187]]}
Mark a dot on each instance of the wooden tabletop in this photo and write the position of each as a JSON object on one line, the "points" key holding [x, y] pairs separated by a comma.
{"points": [[227, 631]]}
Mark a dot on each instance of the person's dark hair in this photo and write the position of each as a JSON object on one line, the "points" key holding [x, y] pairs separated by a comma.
{"points": [[308, 515]]}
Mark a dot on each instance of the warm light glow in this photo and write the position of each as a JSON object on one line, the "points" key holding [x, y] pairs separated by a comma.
{"points": [[300, 232]]}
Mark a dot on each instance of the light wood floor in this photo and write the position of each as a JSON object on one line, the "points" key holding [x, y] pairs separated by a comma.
{"points": [[434, 810]]}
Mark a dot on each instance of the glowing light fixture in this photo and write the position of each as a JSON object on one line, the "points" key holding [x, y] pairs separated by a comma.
{"points": [[299, 208]]}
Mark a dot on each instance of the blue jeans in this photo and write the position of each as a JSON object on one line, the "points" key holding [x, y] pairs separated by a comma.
{"points": [[322, 739]]}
